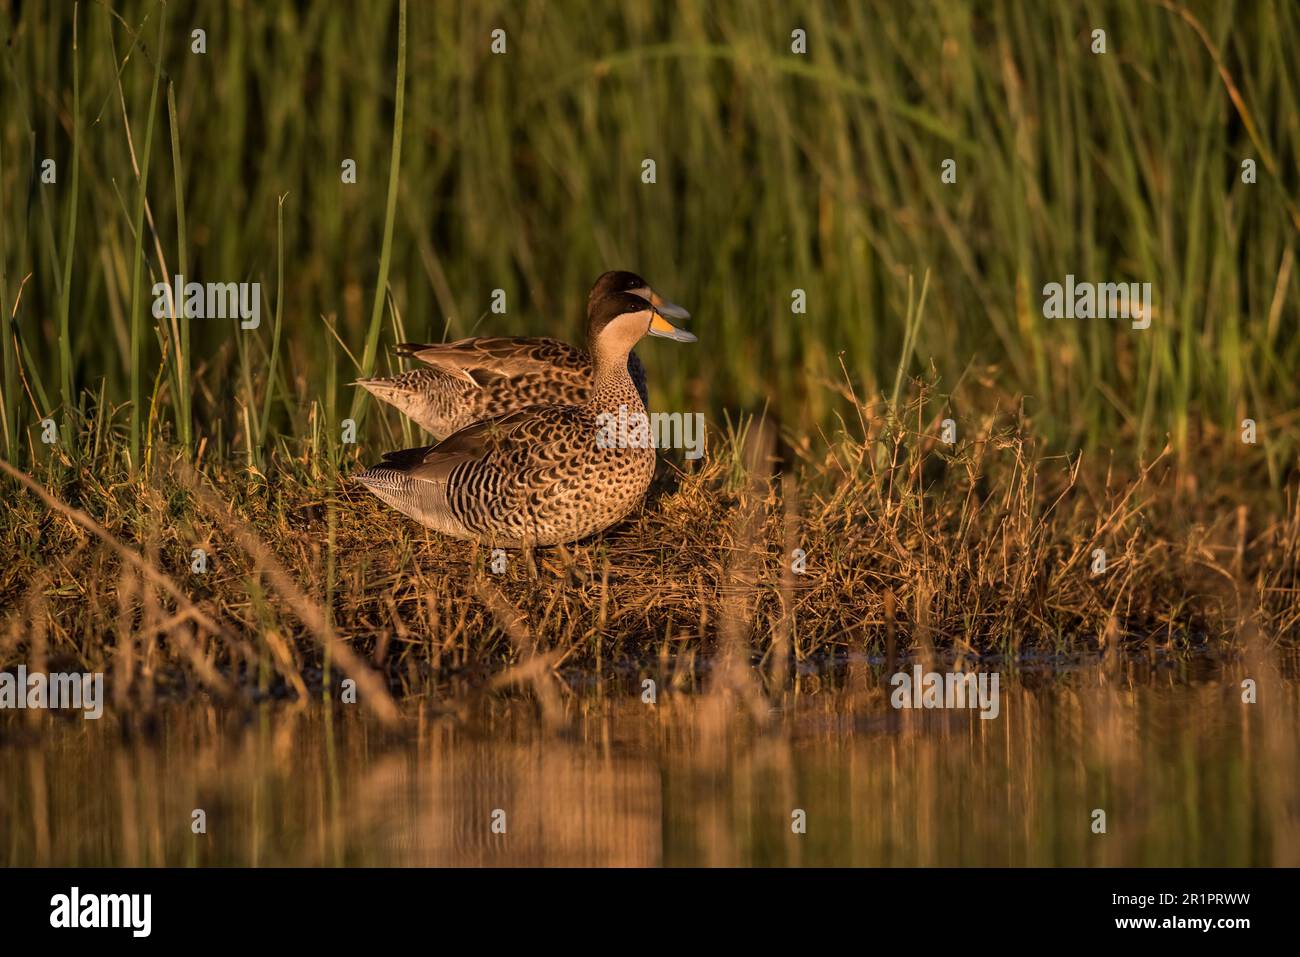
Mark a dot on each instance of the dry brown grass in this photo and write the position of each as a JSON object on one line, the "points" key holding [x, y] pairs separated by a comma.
{"points": [[981, 549]]}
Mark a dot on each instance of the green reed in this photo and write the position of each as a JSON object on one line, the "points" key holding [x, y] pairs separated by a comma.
{"points": [[775, 171]]}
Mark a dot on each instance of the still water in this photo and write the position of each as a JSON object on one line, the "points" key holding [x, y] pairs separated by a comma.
{"points": [[1185, 772]]}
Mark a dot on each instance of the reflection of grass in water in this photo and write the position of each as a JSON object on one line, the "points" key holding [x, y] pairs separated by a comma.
{"points": [[1187, 776]]}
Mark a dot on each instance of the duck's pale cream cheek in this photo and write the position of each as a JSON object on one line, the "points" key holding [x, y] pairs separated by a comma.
{"points": [[616, 340]]}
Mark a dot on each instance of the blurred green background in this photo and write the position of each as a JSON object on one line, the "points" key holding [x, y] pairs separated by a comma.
{"points": [[775, 171]]}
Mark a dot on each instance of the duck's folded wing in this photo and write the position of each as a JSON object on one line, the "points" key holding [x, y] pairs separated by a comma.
{"points": [[434, 463], [488, 357], [403, 460]]}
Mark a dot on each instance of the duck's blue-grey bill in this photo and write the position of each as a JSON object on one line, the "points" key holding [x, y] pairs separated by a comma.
{"points": [[659, 326]]}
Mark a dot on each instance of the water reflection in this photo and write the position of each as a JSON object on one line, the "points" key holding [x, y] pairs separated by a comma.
{"points": [[1186, 774]]}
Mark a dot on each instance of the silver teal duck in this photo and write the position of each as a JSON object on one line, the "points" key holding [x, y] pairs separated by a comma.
{"points": [[545, 474], [487, 376]]}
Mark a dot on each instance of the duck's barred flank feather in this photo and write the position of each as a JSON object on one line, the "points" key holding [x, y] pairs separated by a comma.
{"points": [[475, 379]]}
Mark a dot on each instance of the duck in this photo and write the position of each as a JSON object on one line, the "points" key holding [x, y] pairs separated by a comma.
{"points": [[544, 474], [486, 376]]}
